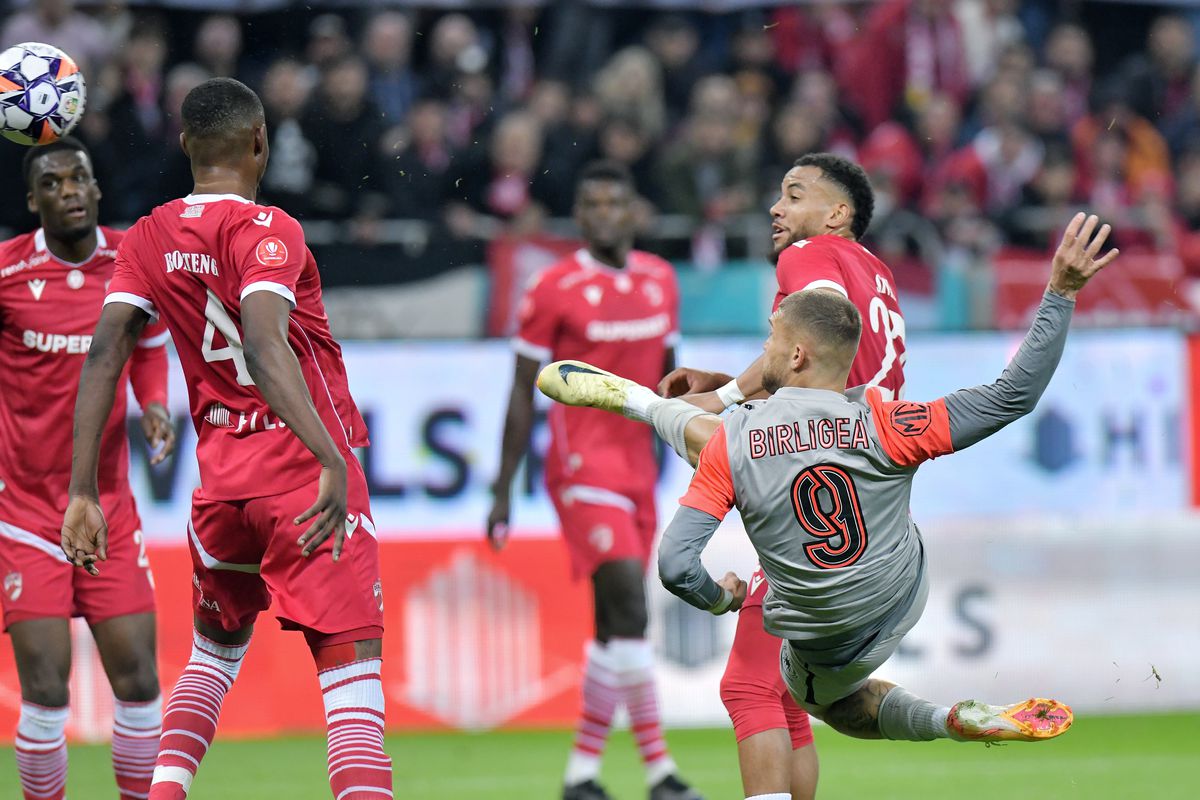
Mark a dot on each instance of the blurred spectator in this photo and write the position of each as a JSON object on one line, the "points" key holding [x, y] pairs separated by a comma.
{"points": [[1182, 130], [752, 56], [906, 241], [327, 42], [1158, 82], [1047, 202], [631, 84], [516, 56], [889, 152], [1187, 209], [387, 47], [675, 42], [1002, 101], [57, 22], [1119, 154], [794, 132], [502, 186], [938, 131], [817, 92], [550, 103], [989, 28], [622, 141], [1047, 108], [177, 170], [907, 51], [291, 170], [455, 49], [138, 139], [1069, 53], [1010, 157], [345, 128], [418, 162], [706, 176], [218, 47], [812, 36]]}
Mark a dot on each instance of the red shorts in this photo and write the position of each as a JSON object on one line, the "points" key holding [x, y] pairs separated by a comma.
{"points": [[38, 581], [752, 688], [601, 525], [244, 556]]}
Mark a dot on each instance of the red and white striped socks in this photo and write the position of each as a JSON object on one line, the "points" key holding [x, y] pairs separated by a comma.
{"points": [[41, 751], [358, 767], [191, 716], [601, 694], [136, 728], [634, 659]]}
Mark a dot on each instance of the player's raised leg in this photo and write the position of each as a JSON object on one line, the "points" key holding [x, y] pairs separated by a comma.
{"points": [[680, 424], [127, 649], [42, 649]]}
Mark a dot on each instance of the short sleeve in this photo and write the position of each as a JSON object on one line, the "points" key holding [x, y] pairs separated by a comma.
{"points": [[538, 320], [807, 264], [127, 286], [270, 254], [910, 433], [711, 489]]}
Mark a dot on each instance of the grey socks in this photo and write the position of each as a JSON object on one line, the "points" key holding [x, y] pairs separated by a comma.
{"points": [[906, 717]]}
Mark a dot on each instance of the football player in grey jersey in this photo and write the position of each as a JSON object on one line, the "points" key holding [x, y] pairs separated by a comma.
{"points": [[821, 476]]}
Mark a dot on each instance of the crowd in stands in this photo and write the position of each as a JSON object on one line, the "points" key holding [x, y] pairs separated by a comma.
{"points": [[981, 122]]}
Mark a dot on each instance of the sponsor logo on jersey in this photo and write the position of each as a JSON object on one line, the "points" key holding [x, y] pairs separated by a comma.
{"points": [[264, 219], [756, 580], [24, 264], [13, 585], [199, 263], [36, 286], [272, 252], [73, 344], [192, 212], [910, 419], [628, 330], [75, 279]]}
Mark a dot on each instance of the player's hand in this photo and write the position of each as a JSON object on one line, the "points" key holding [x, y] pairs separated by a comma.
{"points": [[686, 380], [328, 512], [497, 522], [160, 433], [737, 586], [85, 534], [1075, 260]]}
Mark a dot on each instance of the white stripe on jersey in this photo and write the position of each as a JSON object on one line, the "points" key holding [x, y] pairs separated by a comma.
{"points": [[597, 496], [15, 534], [269, 286], [133, 300], [524, 347], [824, 283], [211, 562]]}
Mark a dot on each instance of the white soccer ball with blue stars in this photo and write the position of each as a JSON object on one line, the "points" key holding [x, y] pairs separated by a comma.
{"points": [[42, 93]]}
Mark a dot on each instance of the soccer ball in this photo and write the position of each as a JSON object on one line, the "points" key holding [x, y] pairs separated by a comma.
{"points": [[41, 93]]}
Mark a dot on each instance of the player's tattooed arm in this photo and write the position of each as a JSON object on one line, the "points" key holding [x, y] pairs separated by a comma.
{"points": [[84, 531], [276, 372], [518, 422], [680, 568]]}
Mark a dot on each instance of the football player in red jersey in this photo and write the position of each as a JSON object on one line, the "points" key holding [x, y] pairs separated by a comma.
{"points": [[610, 305], [52, 284], [824, 207], [276, 427]]}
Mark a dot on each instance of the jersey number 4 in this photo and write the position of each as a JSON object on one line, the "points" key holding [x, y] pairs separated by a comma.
{"points": [[826, 505], [217, 319]]}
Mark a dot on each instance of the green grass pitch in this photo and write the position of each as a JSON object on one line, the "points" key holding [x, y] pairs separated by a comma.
{"points": [[1130, 757]]}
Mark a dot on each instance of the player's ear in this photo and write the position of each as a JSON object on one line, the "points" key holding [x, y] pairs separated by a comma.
{"points": [[29, 203], [183, 144], [260, 140]]}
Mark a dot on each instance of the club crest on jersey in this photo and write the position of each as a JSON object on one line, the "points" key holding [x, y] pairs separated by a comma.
{"points": [[601, 538], [910, 419], [13, 585], [653, 292], [75, 279], [192, 212], [593, 294], [272, 252], [36, 286], [378, 590]]}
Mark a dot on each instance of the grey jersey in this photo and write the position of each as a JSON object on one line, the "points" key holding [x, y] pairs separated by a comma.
{"points": [[822, 480]]}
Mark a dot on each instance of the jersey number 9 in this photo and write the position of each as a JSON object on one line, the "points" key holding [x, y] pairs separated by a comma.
{"points": [[826, 505]]}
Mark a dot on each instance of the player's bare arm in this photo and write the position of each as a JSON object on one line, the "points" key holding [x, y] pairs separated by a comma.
{"points": [[84, 531], [518, 422], [276, 373]]}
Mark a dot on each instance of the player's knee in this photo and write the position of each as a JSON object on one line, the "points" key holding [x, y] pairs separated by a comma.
{"points": [[627, 620], [136, 682], [44, 686]]}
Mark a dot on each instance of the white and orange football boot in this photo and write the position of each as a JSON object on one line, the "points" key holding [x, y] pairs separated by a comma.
{"points": [[1029, 721]]}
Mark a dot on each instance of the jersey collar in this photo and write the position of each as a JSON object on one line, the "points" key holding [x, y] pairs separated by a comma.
{"points": [[198, 199], [39, 244], [588, 261], [801, 393]]}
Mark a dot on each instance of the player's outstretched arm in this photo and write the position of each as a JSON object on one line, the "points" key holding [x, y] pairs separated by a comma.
{"points": [[518, 422], [84, 531], [276, 372], [713, 391], [977, 413]]}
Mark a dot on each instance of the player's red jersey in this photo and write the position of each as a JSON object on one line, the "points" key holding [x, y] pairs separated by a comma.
{"points": [[621, 320], [834, 262], [193, 261], [48, 310]]}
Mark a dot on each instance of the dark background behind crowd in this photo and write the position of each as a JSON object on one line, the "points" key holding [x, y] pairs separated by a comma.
{"points": [[983, 123]]}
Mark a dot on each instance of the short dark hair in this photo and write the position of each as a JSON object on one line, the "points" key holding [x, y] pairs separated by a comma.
{"points": [[852, 180], [67, 144], [218, 106], [606, 170], [827, 315]]}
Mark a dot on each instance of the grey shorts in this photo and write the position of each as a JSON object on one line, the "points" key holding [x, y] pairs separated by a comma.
{"points": [[815, 679]]}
